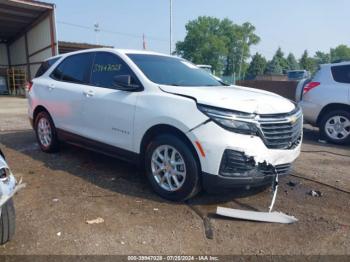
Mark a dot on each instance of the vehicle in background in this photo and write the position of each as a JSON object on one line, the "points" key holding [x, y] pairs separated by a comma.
{"points": [[325, 100], [8, 187], [296, 75], [207, 68], [187, 129]]}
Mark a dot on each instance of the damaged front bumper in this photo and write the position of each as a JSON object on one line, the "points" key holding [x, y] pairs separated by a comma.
{"points": [[236, 160], [8, 183], [239, 170]]}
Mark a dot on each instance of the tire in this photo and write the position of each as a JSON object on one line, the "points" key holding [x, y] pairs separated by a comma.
{"points": [[52, 145], [326, 129], [7, 222], [189, 184]]}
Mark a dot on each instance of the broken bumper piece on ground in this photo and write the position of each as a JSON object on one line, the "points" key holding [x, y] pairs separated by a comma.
{"points": [[272, 217]]}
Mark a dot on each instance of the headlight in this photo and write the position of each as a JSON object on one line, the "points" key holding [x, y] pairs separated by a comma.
{"points": [[4, 174], [235, 121]]}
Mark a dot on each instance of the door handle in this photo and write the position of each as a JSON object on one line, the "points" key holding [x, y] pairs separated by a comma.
{"points": [[51, 86], [89, 93]]}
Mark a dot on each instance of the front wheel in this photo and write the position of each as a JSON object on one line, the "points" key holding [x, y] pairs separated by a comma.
{"points": [[335, 127], [7, 222], [172, 168]]}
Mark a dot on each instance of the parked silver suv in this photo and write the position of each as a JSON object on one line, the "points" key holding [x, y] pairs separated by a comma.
{"points": [[325, 100]]}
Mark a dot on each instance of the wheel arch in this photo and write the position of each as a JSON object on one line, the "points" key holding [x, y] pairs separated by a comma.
{"points": [[39, 109], [329, 108], [161, 129]]}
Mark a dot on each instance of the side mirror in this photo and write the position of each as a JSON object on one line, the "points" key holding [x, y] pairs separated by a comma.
{"points": [[125, 83]]}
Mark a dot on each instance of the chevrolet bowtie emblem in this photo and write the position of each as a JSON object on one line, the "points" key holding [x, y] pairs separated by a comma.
{"points": [[293, 119]]}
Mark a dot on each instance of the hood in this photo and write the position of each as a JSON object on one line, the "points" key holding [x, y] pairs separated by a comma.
{"points": [[237, 98]]}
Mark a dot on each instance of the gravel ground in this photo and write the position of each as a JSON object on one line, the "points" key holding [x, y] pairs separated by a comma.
{"points": [[66, 189]]}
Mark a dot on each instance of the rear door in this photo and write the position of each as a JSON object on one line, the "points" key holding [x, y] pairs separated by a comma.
{"points": [[65, 92], [108, 113]]}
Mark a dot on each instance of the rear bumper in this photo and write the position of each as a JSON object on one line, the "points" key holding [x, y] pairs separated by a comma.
{"points": [[311, 111]]}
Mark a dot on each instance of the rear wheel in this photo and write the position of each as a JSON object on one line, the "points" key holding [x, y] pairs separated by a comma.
{"points": [[46, 133], [335, 127], [7, 222], [172, 168]]}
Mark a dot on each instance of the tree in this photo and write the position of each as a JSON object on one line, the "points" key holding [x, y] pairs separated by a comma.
{"points": [[273, 67], [257, 66], [322, 58], [307, 63], [204, 43], [279, 56], [248, 39], [292, 62], [220, 43], [341, 52]]}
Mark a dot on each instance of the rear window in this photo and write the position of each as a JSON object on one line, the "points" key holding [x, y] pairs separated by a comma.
{"points": [[74, 69], [296, 75], [341, 74], [45, 66]]}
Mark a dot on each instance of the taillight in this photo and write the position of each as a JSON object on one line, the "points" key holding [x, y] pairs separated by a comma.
{"points": [[310, 86], [29, 85]]}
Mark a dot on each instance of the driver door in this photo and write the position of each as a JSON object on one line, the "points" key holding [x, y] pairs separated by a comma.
{"points": [[108, 113]]}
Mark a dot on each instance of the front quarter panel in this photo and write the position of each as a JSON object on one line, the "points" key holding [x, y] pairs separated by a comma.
{"points": [[157, 107]]}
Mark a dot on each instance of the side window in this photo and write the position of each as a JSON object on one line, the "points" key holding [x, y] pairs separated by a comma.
{"points": [[74, 69], [106, 67], [341, 74], [46, 66]]}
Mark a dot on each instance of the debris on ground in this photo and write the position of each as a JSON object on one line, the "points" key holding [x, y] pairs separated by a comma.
{"points": [[291, 183], [272, 217], [58, 234], [55, 200], [315, 193], [322, 141], [98, 220], [155, 209], [122, 242]]}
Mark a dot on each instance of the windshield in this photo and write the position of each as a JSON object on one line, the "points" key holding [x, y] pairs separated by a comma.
{"points": [[174, 71]]}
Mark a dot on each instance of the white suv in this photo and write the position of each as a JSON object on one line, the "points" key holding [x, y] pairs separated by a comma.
{"points": [[325, 100], [187, 129]]}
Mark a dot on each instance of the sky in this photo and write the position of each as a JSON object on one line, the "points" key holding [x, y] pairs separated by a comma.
{"points": [[293, 25]]}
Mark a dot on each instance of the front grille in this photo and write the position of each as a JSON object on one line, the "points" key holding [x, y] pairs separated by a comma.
{"points": [[284, 169], [281, 131]]}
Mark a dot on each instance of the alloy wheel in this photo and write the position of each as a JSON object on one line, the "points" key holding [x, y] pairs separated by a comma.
{"points": [[338, 127], [44, 132], [168, 168]]}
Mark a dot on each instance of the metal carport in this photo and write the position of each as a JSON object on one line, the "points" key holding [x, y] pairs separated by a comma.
{"points": [[27, 35]]}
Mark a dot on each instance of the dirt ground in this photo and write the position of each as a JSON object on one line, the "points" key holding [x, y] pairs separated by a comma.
{"points": [[66, 189]]}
